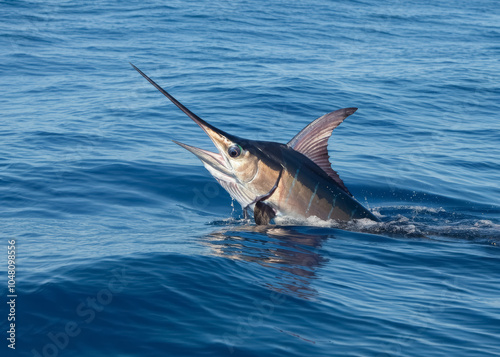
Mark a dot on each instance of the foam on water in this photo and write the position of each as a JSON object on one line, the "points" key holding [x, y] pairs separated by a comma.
{"points": [[436, 222]]}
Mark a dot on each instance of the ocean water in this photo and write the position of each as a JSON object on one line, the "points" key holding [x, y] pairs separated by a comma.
{"points": [[126, 246]]}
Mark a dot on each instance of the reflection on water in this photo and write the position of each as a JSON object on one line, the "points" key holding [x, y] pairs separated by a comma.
{"points": [[293, 255]]}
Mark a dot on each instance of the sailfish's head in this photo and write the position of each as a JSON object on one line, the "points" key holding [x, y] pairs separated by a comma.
{"points": [[240, 165]]}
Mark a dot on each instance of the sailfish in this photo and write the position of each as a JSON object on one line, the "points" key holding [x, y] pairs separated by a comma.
{"points": [[272, 179]]}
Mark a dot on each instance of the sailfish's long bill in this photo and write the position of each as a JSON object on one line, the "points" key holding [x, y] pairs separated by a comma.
{"points": [[293, 180]]}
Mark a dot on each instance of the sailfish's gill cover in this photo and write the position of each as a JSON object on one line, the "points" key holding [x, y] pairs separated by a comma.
{"points": [[293, 180]]}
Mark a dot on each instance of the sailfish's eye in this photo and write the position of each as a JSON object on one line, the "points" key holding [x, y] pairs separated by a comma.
{"points": [[234, 151]]}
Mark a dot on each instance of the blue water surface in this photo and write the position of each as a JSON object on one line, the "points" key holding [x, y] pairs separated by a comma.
{"points": [[126, 246]]}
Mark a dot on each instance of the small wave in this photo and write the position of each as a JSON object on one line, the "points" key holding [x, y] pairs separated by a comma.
{"points": [[401, 226], [414, 222], [417, 209], [231, 221]]}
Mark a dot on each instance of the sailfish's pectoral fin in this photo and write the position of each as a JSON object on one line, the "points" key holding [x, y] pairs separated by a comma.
{"points": [[312, 141], [263, 213]]}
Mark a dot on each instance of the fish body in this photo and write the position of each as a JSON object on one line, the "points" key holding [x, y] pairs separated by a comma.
{"points": [[305, 190], [272, 179]]}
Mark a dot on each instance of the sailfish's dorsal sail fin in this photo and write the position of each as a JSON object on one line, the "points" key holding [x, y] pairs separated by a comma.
{"points": [[312, 141]]}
